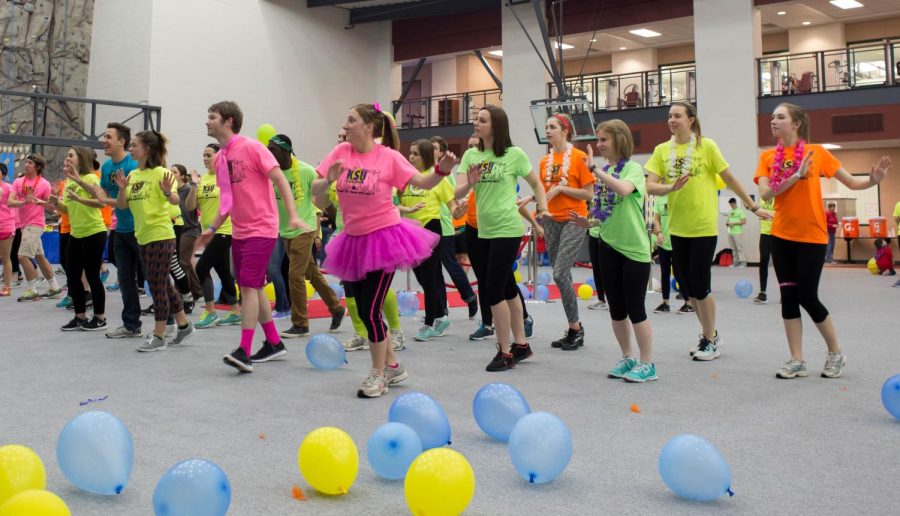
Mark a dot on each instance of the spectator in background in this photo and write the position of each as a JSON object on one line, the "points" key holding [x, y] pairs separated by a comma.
{"points": [[831, 223], [884, 257], [736, 221]]}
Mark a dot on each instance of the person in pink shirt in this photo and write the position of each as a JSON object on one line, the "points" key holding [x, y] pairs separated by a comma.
{"points": [[831, 224], [7, 232], [245, 171], [376, 241]]}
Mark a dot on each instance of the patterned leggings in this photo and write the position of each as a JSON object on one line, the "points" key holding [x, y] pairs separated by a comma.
{"points": [[564, 242], [158, 258]]}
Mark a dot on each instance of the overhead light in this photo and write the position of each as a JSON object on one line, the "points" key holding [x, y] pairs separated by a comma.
{"points": [[846, 4], [498, 53], [564, 46], [830, 146], [781, 13], [807, 23], [623, 48], [593, 40], [645, 33]]}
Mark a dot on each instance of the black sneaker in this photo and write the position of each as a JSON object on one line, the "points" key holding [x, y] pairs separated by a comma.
{"points": [[269, 351], [75, 324], [94, 324], [685, 309], [679, 296], [88, 303], [239, 360], [520, 352], [295, 331], [662, 308], [761, 299], [336, 319], [188, 307], [473, 307], [501, 362], [574, 339], [147, 311]]}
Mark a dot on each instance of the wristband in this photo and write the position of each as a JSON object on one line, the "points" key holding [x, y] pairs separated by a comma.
{"points": [[593, 168], [213, 228], [437, 170]]}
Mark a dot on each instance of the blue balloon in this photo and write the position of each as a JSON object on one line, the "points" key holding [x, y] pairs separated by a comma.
{"points": [[674, 285], [425, 416], [408, 303], [543, 278], [524, 290], [94, 452], [743, 288], [890, 395], [497, 408], [337, 288], [392, 448], [516, 265], [542, 293], [217, 289], [540, 446], [324, 352], [194, 487], [591, 282], [694, 469]]}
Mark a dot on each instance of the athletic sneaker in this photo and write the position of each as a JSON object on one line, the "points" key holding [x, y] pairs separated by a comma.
{"points": [[570, 341], [501, 362], [834, 364], [663, 308], [398, 341], [425, 333], [239, 360], [761, 298], [295, 331], [373, 386], [529, 327], [103, 275], [685, 309], [181, 334], [39, 282], [112, 287], [625, 364], [94, 324], [706, 351], [142, 292], [792, 369], [75, 324], [599, 305], [441, 325], [356, 343], [268, 352], [643, 372], [147, 311], [336, 319], [29, 295], [395, 374], [276, 315], [52, 293], [520, 352], [153, 343], [207, 319], [64, 302], [717, 340], [5, 291], [473, 307], [232, 319], [482, 332], [123, 333]]}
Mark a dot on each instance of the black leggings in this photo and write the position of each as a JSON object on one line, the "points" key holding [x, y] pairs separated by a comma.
{"points": [[626, 284], [63, 252], [765, 250], [476, 249], [431, 277], [369, 294], [798, 267], [692, 262], [110, 248], [85, 255], [14, 253], [593, 249], [665, 272], [217, 255]]}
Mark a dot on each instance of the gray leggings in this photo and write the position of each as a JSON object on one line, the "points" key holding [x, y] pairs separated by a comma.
{"points": [[564, 242]]}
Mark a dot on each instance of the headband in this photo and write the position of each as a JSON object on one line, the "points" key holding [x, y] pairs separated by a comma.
{"points": [[563, 121]]}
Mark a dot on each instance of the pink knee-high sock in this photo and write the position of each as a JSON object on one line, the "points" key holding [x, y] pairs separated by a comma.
{"points": [[247, 340], [271, 332]]}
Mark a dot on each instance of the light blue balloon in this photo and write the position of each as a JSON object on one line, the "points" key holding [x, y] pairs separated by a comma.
{"points": [[516, 265], [694, 469], [337, 288], [392, 448], [94, 452], [324, 352], [424, 415], [217, 289], [743, 288], [890, 395], [497, 408], [591, 282], [525, 292], [540, 446], [407, 303], [194, 487], [542, 293], [543, 278]]}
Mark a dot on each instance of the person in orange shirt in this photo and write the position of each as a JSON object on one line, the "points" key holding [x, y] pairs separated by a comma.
{"points": [[790, 173], [568, 185]]}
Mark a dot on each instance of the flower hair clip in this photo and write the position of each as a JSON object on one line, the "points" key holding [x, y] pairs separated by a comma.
{"points": [[377, 107]]}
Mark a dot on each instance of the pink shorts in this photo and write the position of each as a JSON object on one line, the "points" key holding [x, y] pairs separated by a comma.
{"points": [[251, 259], [6, 234]]}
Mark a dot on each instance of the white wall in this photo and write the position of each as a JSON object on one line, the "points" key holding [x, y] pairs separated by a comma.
{"points": [[631, 61], [817, 38], [443, 76]]}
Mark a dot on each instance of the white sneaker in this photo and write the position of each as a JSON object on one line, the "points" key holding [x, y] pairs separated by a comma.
{"points": [[373, 386], [355, 343], [599, 305], [792, 369], [834, 364], [706, 351], [397, 340], [394, 375], [153, 343]]}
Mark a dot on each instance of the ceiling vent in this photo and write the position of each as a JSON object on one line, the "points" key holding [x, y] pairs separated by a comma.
{"points": [[861, 123]]}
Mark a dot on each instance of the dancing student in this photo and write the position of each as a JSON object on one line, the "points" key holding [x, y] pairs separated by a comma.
{"points": [[376, 241], [568, 185], [664, 250], [790, 173], [765, 250], [186, 237], [492, 170], [148, 192], [624, 248], [7, 234], [65, 232], [593, 236], [685, 168]]}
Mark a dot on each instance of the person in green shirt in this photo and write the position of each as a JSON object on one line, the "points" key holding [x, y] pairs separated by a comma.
{"points": [[664, 251], [735, 224], [765, 250], [624, 252]]}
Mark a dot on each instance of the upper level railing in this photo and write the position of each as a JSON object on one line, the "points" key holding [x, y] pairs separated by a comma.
{"points": [[634, 90], [830, 70], [450, 109]]}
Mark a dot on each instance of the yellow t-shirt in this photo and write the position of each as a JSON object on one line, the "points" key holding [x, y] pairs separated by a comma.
{"points": [[433, 199], [83, 220], [208, 202], [150, 205], [897, 214], [693, 210], [765, 226]]}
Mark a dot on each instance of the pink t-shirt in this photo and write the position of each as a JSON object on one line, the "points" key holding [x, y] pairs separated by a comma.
{"points": [[7, 214], [365, 189], [31, 214], [254, 212]]}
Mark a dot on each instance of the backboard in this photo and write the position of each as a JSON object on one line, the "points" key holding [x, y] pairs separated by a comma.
{"points": [[576, 107]]}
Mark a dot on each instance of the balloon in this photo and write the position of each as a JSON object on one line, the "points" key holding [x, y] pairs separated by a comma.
{"points": [[516, 265], [20, 470], [543, 278], [194, 487], [872, 266], [337, 288], [34, 502], [95, 453], [524, 290], [497, 408], [269, 290], [424, 415], [590, 282], [720, 184], [328, 460], [743, 288], [310, 290], [542, 293], [585, 291], [392, 448], [408, 303], [540, 446], [324, 352], [217, 289], [675, 286], [517, 276], [264, 133], [890, 395], [439, 482], [692, 468]]}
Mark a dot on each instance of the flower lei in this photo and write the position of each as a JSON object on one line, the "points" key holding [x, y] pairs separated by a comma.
{"points": [[779, 175], [564, 173], [686, 164], [604, 196]]}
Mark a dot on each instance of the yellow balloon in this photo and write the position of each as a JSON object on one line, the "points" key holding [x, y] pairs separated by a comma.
{"points": [[269, 289], [518, 276], [440, 481], [328, 460], [20, 470], [872, 266], [310, 290], [35, 502], [719, 183], [265, 133], [585, 291]]}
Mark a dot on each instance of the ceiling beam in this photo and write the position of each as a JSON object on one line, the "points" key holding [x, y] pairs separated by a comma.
{"points": [[326, 3], [420, 9]]}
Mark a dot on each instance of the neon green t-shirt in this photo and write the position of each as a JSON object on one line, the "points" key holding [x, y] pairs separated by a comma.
{"points": [[438, 196], [300, 176], [694, 209], [150, 205], [495, 191], [84, 220], [624, 229], [897, 214], [736, 215], [175, 214], [661, 208], [208, 202], [765, 226], [447, 228]]}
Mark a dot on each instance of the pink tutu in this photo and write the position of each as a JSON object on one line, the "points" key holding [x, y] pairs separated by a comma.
{"points": [[402, 246]]}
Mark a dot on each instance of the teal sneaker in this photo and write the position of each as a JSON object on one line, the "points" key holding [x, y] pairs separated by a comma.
{"points": [[643, 372], [624, 365], [482, 332], [441, 325], [64, 302], [206, 320], [529, 327], [232, 319], [425, 333]]}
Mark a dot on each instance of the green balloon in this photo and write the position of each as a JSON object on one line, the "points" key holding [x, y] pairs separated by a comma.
{"points": [[265, 133]]}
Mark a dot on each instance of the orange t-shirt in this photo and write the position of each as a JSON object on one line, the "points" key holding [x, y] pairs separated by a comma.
{"points": [[107, 210], [800, 211], [472, 212], [64, 226], [577, 177]]}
